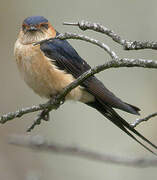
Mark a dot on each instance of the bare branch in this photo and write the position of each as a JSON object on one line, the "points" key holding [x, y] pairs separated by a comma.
{"points": [[40, 144], [138, 121], [54, 103], [84, 38], [43, 115], [127, 45], [57, 101]]}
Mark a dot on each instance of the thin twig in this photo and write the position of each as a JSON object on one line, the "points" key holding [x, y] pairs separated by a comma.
{"points": [[84, 38], [40, 144], [43, 115], [138, 121], [127, 45]]}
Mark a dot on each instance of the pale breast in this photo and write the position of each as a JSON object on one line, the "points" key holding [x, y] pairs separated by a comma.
{"points": [[42, 76]]}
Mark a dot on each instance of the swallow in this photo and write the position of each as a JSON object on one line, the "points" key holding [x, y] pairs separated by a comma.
{"points": [[50, 66]]}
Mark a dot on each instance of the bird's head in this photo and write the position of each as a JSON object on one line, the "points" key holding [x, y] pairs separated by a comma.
{"points": [[35, 29]]}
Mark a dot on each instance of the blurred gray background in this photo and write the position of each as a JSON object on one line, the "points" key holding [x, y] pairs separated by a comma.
{"points": [[74, 123]]}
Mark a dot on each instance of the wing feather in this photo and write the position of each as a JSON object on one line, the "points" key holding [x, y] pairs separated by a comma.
{"points": [[67, 59]]}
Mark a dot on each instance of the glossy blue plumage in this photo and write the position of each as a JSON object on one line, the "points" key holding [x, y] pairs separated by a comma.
{"points": [[65, 56], [67, 59]]}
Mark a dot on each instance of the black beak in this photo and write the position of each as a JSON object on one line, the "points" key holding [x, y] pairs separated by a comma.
{"points": [[32, 29]]}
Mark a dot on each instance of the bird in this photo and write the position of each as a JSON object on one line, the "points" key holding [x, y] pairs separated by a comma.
{"points": [[51, 65]]}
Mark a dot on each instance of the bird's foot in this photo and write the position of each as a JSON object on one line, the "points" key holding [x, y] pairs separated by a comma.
{"points": [[44, 114], [56, 101]]}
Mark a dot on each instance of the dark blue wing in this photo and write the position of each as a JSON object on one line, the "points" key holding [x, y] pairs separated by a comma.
{"points": [[66, 58]]}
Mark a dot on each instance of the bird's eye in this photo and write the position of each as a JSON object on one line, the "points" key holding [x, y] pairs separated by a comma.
{"points": [[45, 25], [23, 27]]}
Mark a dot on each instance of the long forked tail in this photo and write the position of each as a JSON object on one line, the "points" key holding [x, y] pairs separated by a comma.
{"points": [[110, 114]]}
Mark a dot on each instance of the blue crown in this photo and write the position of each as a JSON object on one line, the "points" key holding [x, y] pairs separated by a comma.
{"points": [[34, 20]]}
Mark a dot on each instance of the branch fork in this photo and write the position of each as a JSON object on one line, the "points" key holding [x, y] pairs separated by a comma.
{"points": [[115, 62]]}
